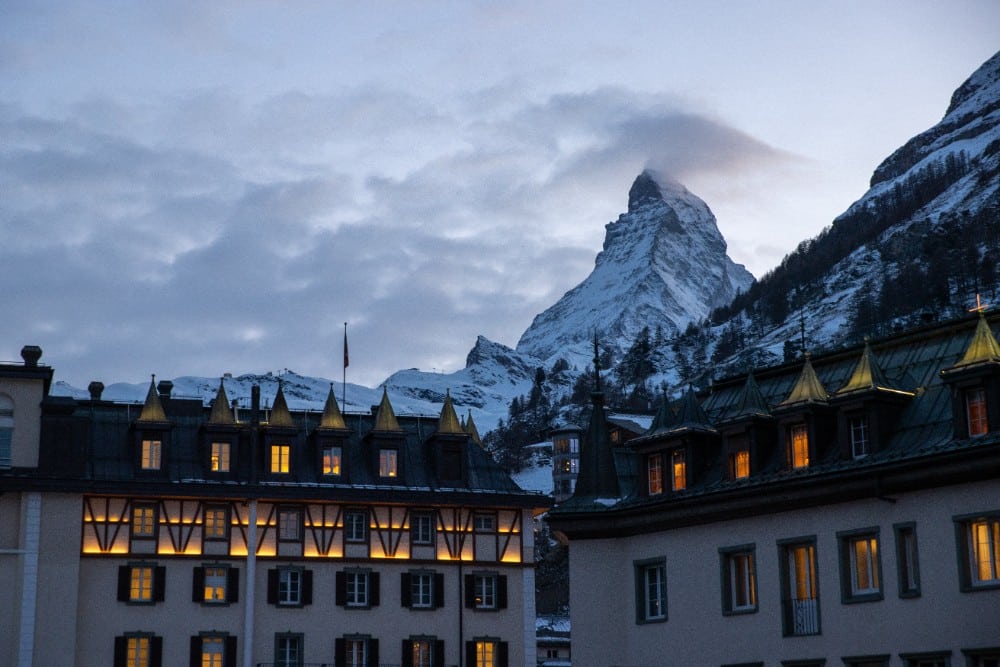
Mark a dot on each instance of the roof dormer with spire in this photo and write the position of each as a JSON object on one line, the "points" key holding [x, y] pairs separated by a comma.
{"points": [[975, 383], [806, 421], [151, 437], [220, 438]]}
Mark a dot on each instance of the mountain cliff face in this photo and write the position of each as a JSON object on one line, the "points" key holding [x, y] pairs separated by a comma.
{"points": [[664, 264]]}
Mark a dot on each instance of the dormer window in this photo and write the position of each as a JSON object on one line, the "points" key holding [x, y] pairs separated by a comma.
{"points": [[151, 453], [332, 460], [679, 466], [654, 473], [975, 411], [281, 459], [799, 439], [219, 457], [858, 433], [388, 463], [739, 464]]}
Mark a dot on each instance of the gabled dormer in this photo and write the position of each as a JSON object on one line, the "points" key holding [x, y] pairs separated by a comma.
{"points": [[469, 426], [220, 438], [329, 441], [806, 421], [151, 437], [448, 447], [279, 439], [385, 445], [975, 384], [748, 433], [868, 407]]}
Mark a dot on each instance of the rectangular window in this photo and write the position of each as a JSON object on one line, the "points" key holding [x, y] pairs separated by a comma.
{"points": [[739, 464], [143, 521], [6, 435], [138, 650], [150, 455], [975, 411], [357, 589], [654, 473], [679, 466], [289, 586], [281, 459], [288, 650], [739, 580], [213, 650], [858, 429], [216, 579], [141, 583], [331, 460], [421, 650], [422, 590], [907, 565], [979, 549], [422, 528], [289, 524], [651, 591], [986, 657], [219, 457], [141, 586], [860, 569], [936, 659], [486, 652], [216, 522], [485, 523], [485, 591], [356, 526], [799, 435], [866, 661], [356, 652], [800, 591], [387, 463]]}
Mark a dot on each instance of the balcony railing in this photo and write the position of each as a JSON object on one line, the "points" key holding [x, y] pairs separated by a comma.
{"points": [[803, 616]]}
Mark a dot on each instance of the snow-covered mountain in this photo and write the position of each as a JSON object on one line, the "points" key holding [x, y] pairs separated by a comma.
{"points": [[664, 264]]}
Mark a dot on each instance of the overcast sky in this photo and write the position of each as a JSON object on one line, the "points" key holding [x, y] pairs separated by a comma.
{"points": [[195, 188]]}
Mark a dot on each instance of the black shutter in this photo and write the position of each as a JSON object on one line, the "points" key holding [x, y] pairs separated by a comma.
{"points": [[640, 606], [437, 660], [198, 585], [502, 591], [159, 583], [470, 654], [232, 585], [501, 654], [405, 592], [156, 651], [407, 653], [230, 657], [438, 589], [307, 587], [124, 583], [374, 596], [272, 586], [339, 652], [340, 589], [470, 592], [372, 653], [121, 650], [195, 652]]}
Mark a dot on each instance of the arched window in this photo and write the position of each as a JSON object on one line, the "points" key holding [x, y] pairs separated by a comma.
{"points": [[6, 429]]}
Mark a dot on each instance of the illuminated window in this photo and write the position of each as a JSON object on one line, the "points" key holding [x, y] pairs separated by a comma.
{"points": [[654, 473], [143, 521], [387, 463], [651, 591], [141, 586], [975, 410], [281, 459], [486, 652], [979, 545], [356, 526], [331, 460], [800, 446], [289, 586], [138, 652], [422, 528], [739, 464], [357, 588], [213, 649], [800, 594], [420, 650], [485, 523], [219, 457], [215, 584], [860, 569], [141, 583], [739, 580], [679, 470], [860, 443], [138, 649], [216, 523], [289, 524], [150, 454], [907, 565], [485, 591], [288, 650]]}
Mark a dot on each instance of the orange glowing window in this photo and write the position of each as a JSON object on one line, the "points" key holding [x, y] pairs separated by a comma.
{"points": [[219, 458], [654, 473], [281, 458], [800, 446], [975, 408], [679, 465]]}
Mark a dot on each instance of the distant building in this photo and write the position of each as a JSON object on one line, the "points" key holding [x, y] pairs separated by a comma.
{"points": [[844, 510], [565, 460], [174, 534]]}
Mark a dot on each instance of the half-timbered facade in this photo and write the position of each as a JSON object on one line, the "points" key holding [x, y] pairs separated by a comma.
{"points": [[177, 534]]}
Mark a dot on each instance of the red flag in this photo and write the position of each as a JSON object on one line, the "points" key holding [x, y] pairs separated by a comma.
{"points": [[346, 360]]}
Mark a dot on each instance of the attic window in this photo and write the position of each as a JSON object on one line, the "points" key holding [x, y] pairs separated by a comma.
{"points": [[654, 473], [975, 410], [799, 437], [679, 470], [387, 463], [150, 455], [219, 457], [860, 441], [331, 460], [739, 464]]}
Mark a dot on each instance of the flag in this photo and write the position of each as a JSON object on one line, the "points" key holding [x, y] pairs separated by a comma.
{"points": [[346, 360]]}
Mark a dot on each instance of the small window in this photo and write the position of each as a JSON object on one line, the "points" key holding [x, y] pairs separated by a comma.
{"points": [[150, 456], [651, 591], [422, 528], [357, 588], [739, 580], [289, 586], [138, 649], [860, 566], [654, 473], [331, 460], [143, 521], [485, 523], [907, 564], [356, 526], [288, 650], [216, 522], [486, 652], [860, 443], [141, 583], [421, 590], [213, 650], [979, 548], [289, 524], [219, 457], [975, 411], [215, 584], [485, 591], [799, 436], [356, 651], [739, 464], [387, 463], [423, 651], [281, 456], [800, 588], [679, 467]]}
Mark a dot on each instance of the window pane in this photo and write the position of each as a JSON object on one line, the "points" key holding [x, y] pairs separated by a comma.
{"points": [[280, 458], [141, 583], [220, 457], [331, 460], [150, 459], [800, 446], [975, 406], [859, 437], [679, 470], [387, 463], [654, 464]]}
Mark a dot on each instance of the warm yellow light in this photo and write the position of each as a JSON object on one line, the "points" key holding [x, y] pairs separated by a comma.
{"points": [[240, 550]]}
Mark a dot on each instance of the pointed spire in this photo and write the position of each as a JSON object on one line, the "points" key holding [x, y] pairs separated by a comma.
{"points": [[690, 415], [448, 422], [221, 412], [331, 413], [597, 364], [385, 418], [751, 401], [664, 417], [280, 416], [152, 409], [867, 376], [598, 476], [470, 428], [983, 347], [808, 388]]}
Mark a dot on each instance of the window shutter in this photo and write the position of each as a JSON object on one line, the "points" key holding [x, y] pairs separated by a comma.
{"points": [[339, 651], [307, 587], [438, 589], [470, 654], [372, 653], [195, 652], [121, 649], [407, 653], [405, 592], [272, 586], [373, 594], [156, 652], [470, 592], [159, 583], [501, 654], [230, 657], [438, 657], [232, 585], [502, 591], [340, 589], [198, 585], [640, 603], [124, 582]]}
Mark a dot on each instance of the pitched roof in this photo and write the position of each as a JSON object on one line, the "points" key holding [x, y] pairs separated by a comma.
{"points": [[385, 418], [221, 412], [470, 428], [751, 402], [983, 348], [331, 413], [807, 389], [152, 409], [867, 376], [280, 416], [598, 476], [448, 422]]}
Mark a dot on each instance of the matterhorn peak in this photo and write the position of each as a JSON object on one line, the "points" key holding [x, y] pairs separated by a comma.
{"points": [[651, 187]]}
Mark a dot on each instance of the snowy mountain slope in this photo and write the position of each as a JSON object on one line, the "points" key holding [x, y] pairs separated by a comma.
{"points": [[664, 264]]}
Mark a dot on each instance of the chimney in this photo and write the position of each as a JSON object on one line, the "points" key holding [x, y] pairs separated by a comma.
{"points": [[31, 354], [95, 388], [164, 387]]}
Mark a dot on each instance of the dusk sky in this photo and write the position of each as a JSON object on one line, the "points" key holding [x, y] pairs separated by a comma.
{"points": [[195, 188]]}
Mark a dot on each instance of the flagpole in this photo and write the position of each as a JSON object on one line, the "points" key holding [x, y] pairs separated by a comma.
{"points": [[343, 391]]}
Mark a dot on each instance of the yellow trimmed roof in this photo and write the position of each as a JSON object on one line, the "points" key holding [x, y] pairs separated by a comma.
{"points": [[152, 409], [808, 388], [983, 347], [221, 412], [470, 428], [331, 413], [448, 423], [867, 376], [385, 418], [280, 416]]}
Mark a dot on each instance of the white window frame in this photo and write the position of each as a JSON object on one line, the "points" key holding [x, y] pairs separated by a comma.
{"points": [[290, 581], [358, 584], [857, 428], [356, 526]]}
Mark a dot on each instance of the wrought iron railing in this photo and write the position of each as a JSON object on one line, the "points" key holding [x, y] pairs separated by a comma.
{"points": [[804, 616]]}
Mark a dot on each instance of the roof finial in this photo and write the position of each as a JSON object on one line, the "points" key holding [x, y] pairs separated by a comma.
{"points": [[980, 307]]}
